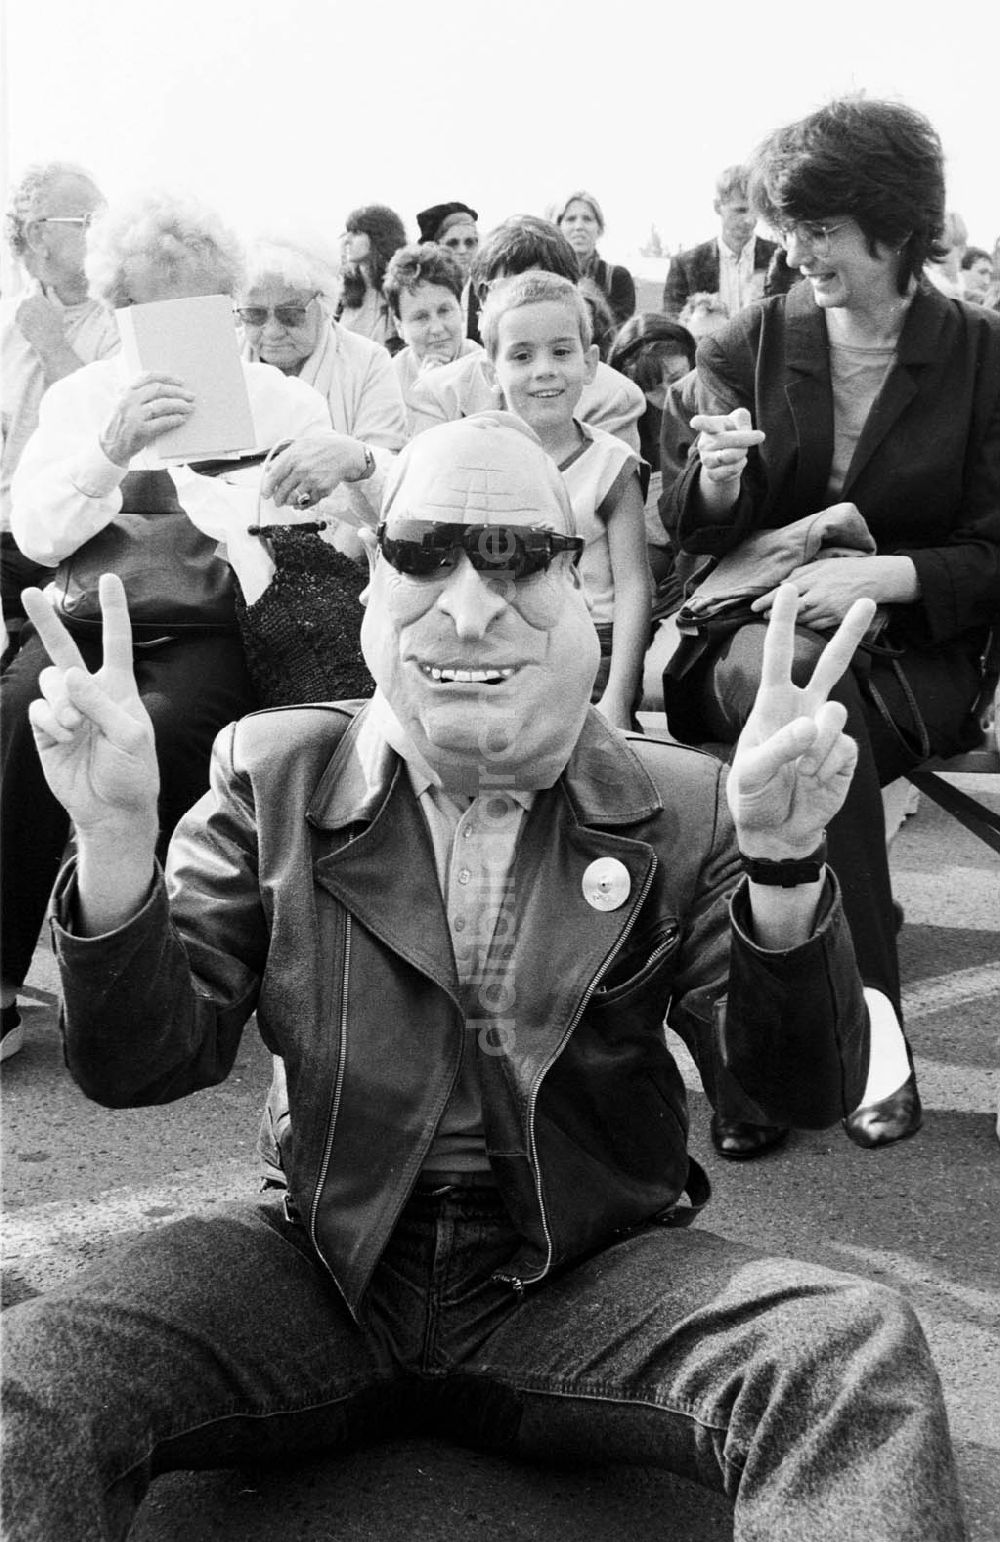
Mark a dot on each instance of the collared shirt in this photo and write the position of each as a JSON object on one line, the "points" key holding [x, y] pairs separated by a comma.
{"points": [[739, 283], [474, 839]]}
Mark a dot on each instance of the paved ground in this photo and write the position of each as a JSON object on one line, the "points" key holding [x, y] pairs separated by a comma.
{"points": [[924, 1215]]}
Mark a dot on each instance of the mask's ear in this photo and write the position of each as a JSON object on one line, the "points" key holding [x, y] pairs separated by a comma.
{"points": [[366, 536]]}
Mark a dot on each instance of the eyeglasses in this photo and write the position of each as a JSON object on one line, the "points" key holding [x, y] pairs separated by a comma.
{"points": [[815, 233], [420, 547], [284, 315], [84, 220]]}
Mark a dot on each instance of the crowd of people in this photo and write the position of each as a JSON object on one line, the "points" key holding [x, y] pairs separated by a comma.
{"points": [[494, 513]]}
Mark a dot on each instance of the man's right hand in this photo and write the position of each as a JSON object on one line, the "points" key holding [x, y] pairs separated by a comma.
{"points": [[93, 733], [152, 405]]}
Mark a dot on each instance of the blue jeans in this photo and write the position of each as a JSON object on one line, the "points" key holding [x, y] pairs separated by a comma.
{"points": [[807, 1397]]}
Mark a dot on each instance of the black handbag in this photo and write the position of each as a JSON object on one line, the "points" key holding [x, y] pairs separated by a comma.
{"points": [[174, 581]]}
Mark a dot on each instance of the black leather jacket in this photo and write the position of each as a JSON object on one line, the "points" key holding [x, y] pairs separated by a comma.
{"points": [[303, 886]]}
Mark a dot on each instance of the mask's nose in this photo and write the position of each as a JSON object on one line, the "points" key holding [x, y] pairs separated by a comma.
{"points": [[472, 603]]}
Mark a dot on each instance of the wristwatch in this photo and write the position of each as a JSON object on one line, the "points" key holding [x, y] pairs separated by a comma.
{"points": [[788, 873], [369, 467]]}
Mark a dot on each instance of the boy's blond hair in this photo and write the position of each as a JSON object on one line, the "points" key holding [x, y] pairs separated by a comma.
{"points": [[531, 288]]}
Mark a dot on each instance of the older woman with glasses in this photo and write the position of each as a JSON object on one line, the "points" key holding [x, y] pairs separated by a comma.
{"points": [[298, 587], [89, 493], [862, 386]]}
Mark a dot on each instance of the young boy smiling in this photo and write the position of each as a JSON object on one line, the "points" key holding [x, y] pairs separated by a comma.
{"points": [[536, 331]]}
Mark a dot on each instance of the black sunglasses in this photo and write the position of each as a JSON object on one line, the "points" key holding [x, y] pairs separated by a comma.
{"points": [[420, 547]]}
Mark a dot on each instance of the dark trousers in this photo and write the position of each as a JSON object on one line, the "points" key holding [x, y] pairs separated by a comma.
{"points": [[808, 1397], [191, 688], [722, 688]]}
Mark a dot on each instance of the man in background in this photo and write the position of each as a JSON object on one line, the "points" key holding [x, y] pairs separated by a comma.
{"points": [[732, 265], [47, 330]]}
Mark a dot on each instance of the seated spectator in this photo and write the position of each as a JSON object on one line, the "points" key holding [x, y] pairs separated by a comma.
{"points": [[976, 273], [286, 309], [536, 331], [704, 314], [297, 596], [456, 390], [423, 286], [371, 235], [88, 485], [656, 353], [518, 1196], [732, 265], [48, 329], [455, 226], [581, 220], [863, 391]]}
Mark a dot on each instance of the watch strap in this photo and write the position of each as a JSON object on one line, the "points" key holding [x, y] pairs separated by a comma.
{"points": [[787, 873]]}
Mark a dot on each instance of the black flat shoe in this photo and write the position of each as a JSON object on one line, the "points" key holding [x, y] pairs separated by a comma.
{"points": [[892, 1118], [740, 1142]]}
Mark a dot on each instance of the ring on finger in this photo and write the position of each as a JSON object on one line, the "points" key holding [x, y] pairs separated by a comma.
{"points": [[303, 499]]}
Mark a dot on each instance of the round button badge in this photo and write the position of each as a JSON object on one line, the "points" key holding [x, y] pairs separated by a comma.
{"points": [[606, 883]]}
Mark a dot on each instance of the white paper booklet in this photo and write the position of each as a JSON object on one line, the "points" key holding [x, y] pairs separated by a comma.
{"points": [[196, 341]]}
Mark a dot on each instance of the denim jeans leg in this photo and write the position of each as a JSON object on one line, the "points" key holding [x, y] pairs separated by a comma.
{"points": [[808, 1397], [207, 1343]]}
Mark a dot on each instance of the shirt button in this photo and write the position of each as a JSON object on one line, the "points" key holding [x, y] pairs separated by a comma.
{"points": [[464, 875], [459, 923], [468, 832]]}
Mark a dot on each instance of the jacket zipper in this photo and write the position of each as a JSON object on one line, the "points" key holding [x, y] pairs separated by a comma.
{"points": [[515, 1281], [335, 1107]]}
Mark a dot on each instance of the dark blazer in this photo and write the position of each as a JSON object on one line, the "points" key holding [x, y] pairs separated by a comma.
{"points": [[697, 270], [925, 472]]}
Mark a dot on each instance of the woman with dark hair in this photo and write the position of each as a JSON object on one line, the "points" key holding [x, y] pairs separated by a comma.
{"points": [[371, 235], [581, 220], [861, 386], [423, 289]]}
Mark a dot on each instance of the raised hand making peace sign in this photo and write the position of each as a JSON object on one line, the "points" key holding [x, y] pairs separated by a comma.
{"points": [[93, 733], [793, 762]]}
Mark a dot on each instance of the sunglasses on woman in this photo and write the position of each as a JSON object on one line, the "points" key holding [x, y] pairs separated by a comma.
{"points": [[284, 315], [420, 548]]}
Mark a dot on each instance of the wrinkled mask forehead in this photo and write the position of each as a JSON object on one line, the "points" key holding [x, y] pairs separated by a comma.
{"points": [[484, 470]]}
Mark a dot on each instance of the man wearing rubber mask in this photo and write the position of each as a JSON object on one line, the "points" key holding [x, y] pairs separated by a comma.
{"points": [[484, 1230]]}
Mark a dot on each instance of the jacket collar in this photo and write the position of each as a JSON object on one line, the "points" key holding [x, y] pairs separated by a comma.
{"points": [[606, 784]]}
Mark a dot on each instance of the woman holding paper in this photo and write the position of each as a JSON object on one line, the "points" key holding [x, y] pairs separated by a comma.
{"points": [[92, 492]]}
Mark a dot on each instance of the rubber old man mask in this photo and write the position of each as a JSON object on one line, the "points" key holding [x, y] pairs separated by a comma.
{"points": [[480, 640]]}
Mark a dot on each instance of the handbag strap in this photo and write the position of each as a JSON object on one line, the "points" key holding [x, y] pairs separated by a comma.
{"points": [[878, 700]]}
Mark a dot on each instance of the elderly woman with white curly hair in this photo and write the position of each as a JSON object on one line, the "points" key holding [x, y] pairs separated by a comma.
{"points": [[90, 492]]}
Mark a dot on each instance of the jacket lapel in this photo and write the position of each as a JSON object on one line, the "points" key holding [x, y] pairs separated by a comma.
{"points": [[810, 401], [382, 868]]}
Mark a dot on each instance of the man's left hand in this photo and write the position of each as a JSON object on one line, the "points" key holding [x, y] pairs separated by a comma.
{"points": [[309, 469], [793, 762]]}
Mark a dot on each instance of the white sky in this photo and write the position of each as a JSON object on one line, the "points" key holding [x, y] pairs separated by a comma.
{"points": [[299, 110]]}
